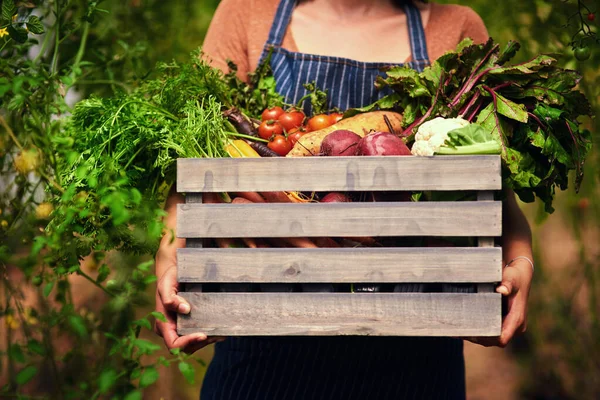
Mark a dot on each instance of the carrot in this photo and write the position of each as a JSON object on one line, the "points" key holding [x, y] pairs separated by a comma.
{"points": [[254, 197], [325, 242], [300, 242], [276, 197], [225, 243], [360, 124]]}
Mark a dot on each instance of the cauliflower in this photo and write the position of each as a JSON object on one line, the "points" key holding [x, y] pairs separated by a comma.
{"points": [[433, 134]]}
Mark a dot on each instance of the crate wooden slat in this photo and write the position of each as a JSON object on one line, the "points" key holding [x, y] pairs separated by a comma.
{"points": [[407, 314], [344, 265], [481, 218], [339, 174]]}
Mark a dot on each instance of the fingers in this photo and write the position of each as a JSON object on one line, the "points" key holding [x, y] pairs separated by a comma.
{"points": [[167, 292]]}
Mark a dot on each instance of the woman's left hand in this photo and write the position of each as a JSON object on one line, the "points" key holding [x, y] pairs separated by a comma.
{"points": [[516, 282]]}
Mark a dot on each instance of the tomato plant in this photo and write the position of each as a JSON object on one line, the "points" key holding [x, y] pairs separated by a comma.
{"points": [[582, 53], [291, 119], [269, 128], [318, 122], [271, 113], [280, 145]]}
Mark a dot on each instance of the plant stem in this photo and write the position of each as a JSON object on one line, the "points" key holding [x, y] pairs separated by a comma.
{"points": [[56, 28], [92, 280], [10, 133]]}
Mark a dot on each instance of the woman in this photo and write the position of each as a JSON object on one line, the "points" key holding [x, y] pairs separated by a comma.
{"points": [[340, 44]]}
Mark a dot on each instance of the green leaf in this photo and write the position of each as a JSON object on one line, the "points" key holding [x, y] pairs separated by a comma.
{"points": [[143, 322], [470, 139], [187, 371], [149, 376], [530, 67], [509, 51], [18, 34], [35, 25], [103, 273], [490, 120], [145, 346], [510, 109], [48, 288], [107, 380], [159, 316], [38, 244], [36, 347], [26, 374], [15, 353], [8, 10], [77, 325], [136, 395]]}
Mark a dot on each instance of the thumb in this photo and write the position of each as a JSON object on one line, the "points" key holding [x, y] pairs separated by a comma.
{"points": [[510, 281]]}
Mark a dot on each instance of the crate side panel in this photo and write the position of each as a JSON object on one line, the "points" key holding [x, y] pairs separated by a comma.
{"points": [[343, 265], [477, 218], [332, 314], [339, 173]]}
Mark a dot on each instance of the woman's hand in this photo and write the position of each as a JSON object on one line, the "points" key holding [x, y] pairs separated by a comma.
{"points": [[516, 281], [169, 304]]}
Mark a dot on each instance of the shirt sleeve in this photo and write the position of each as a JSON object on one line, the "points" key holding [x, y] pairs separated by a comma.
{"points": [[227, 37], [474, 27]]}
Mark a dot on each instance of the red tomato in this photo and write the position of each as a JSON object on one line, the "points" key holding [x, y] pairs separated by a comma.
{"points": [[271, 113], [335, 118], [269, 128], [291, 119], [591, 17], [280, 145], [318, 122], [294, 135]]}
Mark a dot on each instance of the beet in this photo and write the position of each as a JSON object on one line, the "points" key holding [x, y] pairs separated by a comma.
{"points": [[340, 143], [382, 144], [335, 197]]}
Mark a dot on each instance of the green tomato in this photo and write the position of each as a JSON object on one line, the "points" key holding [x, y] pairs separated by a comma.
{"points": [[582, 53], [37, 280]]}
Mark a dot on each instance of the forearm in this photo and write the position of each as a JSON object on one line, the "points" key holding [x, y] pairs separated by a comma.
{"points": [[166, 256], [516, 235]]}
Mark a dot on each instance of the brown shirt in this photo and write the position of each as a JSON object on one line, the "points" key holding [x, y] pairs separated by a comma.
{"points": [[240, 28]]}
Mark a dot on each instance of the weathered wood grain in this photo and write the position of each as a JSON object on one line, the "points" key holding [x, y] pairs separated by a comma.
{"points": [[476, 218], [377, 314], [339, 173], [487, 242], [340, 265]]}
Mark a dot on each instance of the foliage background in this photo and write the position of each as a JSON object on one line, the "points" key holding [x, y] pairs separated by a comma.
{"points": [[556, 359]]}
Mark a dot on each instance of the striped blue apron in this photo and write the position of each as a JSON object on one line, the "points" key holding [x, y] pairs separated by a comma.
{"points": [[349, 82], [311, 368]]}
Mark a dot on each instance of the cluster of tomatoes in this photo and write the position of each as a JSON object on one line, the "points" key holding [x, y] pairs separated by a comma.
{"points": [[283, 128]]}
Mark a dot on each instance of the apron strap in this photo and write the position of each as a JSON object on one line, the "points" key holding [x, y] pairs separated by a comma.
{"points": [[416, 32], [281, 22]]}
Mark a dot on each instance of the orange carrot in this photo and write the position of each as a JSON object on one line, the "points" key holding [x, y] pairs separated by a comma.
{"points": [[254, 197]]}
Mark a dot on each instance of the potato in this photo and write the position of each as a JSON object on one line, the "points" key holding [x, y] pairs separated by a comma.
{"points": [[361, 124]]}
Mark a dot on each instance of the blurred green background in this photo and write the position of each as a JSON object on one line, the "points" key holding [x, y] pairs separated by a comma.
{"points": [[559, 356]]}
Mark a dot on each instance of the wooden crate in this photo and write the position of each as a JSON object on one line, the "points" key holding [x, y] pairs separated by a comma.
{"points": [[306, 313]]}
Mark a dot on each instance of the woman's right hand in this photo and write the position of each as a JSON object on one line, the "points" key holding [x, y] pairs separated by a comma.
{"points": [[169, 303]]}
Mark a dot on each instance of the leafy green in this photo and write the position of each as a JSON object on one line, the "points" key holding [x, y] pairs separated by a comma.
{"points": [[471, 139], [530, 109]]}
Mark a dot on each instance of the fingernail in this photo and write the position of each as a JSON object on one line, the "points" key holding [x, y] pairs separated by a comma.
{"points": [[184, 308], [200, 337], [502, 290]]}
